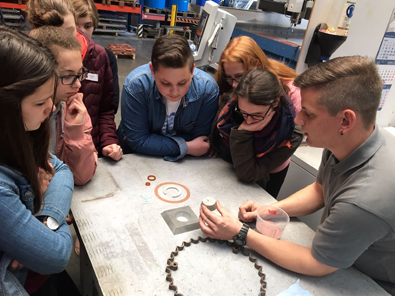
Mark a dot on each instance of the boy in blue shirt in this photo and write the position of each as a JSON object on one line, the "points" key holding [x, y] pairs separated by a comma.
{"points": [[167, 105]]}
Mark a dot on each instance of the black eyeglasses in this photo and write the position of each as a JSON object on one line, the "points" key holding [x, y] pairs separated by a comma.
{"points": [[253, 116], [71, 79], [230, 80]]}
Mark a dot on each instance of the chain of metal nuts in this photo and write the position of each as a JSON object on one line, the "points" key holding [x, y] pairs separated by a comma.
{"points": [[173, 265]]}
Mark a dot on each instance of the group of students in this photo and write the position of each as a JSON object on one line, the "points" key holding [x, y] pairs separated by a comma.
{"points": [[57, 108], [171, 109]]}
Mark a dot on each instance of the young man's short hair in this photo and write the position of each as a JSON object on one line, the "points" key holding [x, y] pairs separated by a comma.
{"points": [[172, 51], [351, 82]]}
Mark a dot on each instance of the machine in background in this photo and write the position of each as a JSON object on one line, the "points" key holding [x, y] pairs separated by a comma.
{"points": [[295, 9], [213, 34]]}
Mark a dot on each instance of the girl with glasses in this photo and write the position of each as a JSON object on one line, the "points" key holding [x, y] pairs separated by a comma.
{"points": [[33, 232], [98, 88], [255, 130], [243, 54], [71, 126]]}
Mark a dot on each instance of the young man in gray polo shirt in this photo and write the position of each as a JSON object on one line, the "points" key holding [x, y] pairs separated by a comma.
{"points": [[354, 185]]}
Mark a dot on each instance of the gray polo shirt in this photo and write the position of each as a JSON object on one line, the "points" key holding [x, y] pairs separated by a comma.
{"points": [[358, 223]]}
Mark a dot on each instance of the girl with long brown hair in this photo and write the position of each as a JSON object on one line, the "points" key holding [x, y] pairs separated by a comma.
{"points": [[35, 187], [255, 130]]}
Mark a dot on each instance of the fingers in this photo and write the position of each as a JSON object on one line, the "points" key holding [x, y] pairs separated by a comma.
{"points": [[107, 150], [220, 209], [204, 138], [75, 105], [205, 228], [247, 211], [15, 265], [69, 220], [77, 96], [114, 151], [207, 216]]}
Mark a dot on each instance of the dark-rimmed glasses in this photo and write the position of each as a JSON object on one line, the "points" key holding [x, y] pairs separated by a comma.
{"points": [[230, 80], [71, 79], [252, 116]]}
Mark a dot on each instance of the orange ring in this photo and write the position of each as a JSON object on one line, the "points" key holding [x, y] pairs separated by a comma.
{"points": [[151, 178], [172, 201]]}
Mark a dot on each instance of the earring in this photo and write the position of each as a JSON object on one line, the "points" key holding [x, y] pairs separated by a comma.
{"points": [[341, 133]]}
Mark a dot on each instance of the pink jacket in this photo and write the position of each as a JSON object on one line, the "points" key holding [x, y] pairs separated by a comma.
{"points": [[294, 94], [74, 146]]}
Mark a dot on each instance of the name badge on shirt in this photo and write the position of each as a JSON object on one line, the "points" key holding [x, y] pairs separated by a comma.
{"points": [[92, 77]]}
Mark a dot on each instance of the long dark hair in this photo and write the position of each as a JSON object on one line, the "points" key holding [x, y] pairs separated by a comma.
{"points": [[25, 66], [261, 87]]}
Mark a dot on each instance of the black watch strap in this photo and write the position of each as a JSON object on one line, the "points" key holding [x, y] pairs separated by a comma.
{"points": [[240, 239]]}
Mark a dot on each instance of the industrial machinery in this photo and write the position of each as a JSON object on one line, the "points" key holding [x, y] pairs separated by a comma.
{"points": [[296, 10], [213, 34]]}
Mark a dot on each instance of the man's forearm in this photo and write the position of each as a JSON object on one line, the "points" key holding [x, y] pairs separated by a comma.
{"points": [[304, 202], [287, 255]]}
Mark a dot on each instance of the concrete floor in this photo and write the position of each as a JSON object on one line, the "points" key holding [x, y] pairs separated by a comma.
{"points": [[125, 66]]}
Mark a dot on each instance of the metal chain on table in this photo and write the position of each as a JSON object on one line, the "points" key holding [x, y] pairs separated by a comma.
{"points": [[173, 265]]}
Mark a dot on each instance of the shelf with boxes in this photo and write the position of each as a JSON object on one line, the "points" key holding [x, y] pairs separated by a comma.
{"points": [[112, 22], [13, 18]]}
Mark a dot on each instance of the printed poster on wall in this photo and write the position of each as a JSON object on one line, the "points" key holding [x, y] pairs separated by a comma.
{"points": [[385, 59]]}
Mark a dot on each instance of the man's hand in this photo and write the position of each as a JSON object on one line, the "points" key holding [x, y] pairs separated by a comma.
{"points": [[198, 146], [76, 109], [248, 211], [223, 227], [15, 265], [114, 151], [257, 126]]}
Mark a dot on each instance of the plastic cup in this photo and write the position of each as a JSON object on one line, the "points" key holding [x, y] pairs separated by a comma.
{"points": [[271, 221]]}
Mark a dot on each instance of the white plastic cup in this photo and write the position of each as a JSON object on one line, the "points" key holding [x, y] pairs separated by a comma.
{"points": [[271, 221]]}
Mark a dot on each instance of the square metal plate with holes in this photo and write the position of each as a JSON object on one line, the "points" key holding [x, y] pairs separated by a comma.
{"points": [[181, 220]]}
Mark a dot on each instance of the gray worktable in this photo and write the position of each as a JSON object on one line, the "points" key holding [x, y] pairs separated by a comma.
{"points": [[128, 242]]}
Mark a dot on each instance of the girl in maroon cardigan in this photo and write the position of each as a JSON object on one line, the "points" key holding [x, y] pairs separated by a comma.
{"points": [[98, 88]]}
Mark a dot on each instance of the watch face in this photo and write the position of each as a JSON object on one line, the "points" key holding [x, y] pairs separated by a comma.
{"points": [[52, 223], [238, 242]]}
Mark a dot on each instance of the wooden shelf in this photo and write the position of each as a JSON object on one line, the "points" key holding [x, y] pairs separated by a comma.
{"points": [[129, 9], [12, 5], [99, 7]]}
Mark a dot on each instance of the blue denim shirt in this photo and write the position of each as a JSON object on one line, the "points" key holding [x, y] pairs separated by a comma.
{"points": [[143, 114], [26, 239]]}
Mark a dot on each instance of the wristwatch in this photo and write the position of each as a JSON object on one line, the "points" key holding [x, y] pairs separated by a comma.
{"points": [[50, 222], [240, 239]]}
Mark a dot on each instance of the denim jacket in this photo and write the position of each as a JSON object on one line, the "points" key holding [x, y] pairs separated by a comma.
{"points": [[26, 239], [143, 114]]}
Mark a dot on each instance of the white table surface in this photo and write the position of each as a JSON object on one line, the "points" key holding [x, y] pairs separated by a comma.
{"points": [[128, 242]]}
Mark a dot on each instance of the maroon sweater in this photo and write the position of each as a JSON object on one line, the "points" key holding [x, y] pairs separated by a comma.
{"points": [[99, 95]]}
